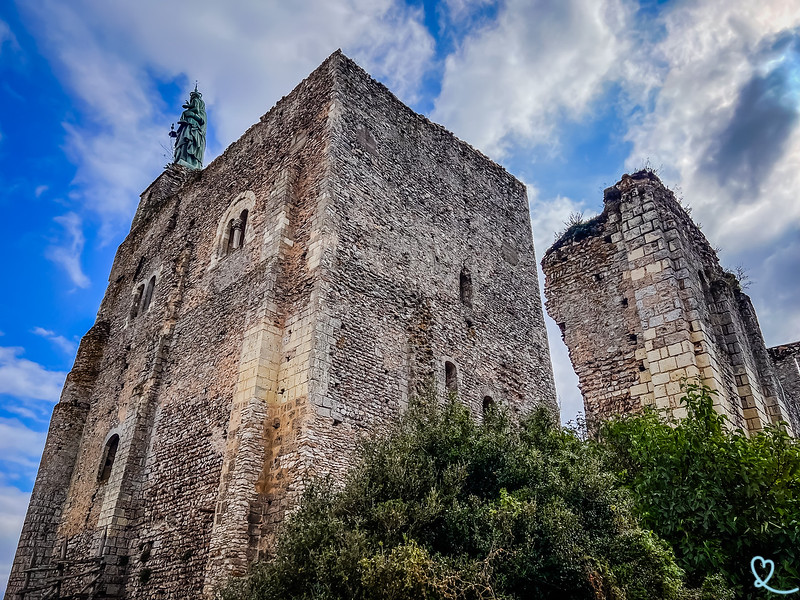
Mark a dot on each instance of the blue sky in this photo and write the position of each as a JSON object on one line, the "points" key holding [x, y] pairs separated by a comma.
{"points": [[566, 94]]}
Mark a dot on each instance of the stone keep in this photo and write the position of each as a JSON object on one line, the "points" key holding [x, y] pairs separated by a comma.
{"points": [[264, 313], [642, 303]]}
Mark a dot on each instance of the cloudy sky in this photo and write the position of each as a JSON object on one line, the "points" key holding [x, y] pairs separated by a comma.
{"points": [[566, 94]]}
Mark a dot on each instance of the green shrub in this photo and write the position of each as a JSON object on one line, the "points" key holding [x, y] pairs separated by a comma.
{"points": [[446, 508], [717, 496]]}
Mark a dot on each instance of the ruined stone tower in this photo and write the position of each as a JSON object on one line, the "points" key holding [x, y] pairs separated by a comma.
{"points": [[643, 303], [262, 314]]}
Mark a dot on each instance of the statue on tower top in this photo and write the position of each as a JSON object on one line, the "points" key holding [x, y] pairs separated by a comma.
{"points": [[190, 138]]}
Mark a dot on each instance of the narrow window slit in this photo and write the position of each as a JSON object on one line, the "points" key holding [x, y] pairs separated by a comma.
{"points": [[450, 377], [137, 300], [465, 287], [109, 454], [148, 294]]}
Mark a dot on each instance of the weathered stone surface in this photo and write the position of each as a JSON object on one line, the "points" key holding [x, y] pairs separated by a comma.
{"points": [[786, 359], [642, 304], [264, 313]]}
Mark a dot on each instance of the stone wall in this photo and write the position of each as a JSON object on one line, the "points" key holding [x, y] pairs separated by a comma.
{"points": [[265, 312], [428, 259], [786, 359], [643, 304]]}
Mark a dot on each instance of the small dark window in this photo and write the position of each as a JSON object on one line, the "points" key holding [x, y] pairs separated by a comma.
{"points": [[624, 302], [465, 285], [450, 377], [109, 454], [148, 294], [229, 243], [243, 221], [137, 300], [632, 337], [488, 404]]}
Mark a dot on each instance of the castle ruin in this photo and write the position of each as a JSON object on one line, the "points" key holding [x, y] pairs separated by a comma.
{"points": [[643, 304], [262, 314]]}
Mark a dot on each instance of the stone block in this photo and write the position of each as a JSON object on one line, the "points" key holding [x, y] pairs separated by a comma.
{"points": [[660, 378], [636, 254], [656, 267], [667, 364]]}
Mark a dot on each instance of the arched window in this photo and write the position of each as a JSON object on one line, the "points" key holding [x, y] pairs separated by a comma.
{"points": [[107, 462], [488, 404], [450, 377], [243, 224], [148, 294], [229, 243], [465, 287], [137, 300], [236, 231], [233, 228]]}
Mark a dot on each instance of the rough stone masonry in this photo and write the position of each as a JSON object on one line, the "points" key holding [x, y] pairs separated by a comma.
{"points": [[786, 359], [643, 303], [261, 315]]}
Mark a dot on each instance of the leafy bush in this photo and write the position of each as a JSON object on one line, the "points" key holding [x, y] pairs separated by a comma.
{"points": [[718, 497], [446, 508]]}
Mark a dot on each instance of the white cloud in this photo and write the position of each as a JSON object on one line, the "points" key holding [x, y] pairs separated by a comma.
{"points": [[40, 189], [67, 346], [462, 10], [540, 63], [13, 505], [7, 36], [68, 253], [36, 389], [725, 127], [549, 217], [20, 450], [28, 380], [32, 390], [713, 51], [570, 401], [775, 286], [111, 57]]}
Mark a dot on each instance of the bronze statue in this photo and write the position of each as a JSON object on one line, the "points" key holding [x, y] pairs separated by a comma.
{"points": [[190, 139]]}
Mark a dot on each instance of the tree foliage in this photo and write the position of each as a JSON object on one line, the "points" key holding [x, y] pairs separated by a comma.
{"points": [[717, 496], [448, 508]]}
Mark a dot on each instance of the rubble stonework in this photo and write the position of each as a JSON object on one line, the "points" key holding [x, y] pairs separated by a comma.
{"points": [[264, 313], [786, 359], [642, 304]]}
